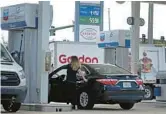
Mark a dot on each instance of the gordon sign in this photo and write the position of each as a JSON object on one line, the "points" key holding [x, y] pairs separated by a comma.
{"points": [[63, 59]]}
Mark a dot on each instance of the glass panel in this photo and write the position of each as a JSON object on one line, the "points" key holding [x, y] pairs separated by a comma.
{"points": [[109, 69], [5, 55]]}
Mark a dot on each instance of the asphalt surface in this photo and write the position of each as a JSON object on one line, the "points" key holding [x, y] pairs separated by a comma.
{"points": [[139, 108]]}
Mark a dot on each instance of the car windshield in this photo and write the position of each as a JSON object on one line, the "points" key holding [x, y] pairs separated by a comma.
{"points": [[108, 69], [4, 55]]}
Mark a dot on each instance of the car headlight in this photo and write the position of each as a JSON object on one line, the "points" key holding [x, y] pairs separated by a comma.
{"points": [[22, 74]]}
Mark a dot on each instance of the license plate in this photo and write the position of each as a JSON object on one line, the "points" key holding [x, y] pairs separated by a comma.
{"points": [[126, 84]]}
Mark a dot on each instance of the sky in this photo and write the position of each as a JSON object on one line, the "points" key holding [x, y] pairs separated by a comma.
{"points": [[64, 14]]}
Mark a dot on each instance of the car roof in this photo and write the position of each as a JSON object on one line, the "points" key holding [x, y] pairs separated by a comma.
{"points": [[98, 64]]}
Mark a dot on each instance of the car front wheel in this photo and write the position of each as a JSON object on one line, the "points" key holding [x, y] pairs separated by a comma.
{"points": [[11, 107], [85, 100], [126, 106]]}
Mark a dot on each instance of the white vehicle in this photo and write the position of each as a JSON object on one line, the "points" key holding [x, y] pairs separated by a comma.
{"points": [[152, 60], [13, 82], [86, 52]]}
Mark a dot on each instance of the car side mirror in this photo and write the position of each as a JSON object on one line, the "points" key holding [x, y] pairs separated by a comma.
{"points": [[15, 56], [55, 76]]}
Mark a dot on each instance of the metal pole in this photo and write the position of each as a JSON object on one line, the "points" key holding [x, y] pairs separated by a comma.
{"points": [[42, 43], [115, 57], [109, 19], [61, 28], [150, 23], [135, 30]]}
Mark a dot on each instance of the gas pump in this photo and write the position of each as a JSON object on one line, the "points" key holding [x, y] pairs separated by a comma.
{"points": [[28, 26], [115, 44]]}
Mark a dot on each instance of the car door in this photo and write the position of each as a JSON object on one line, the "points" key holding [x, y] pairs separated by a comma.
{"points": [[69, 88], [58, 86]]}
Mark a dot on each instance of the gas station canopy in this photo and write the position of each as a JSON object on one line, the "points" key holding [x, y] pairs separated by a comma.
{"points": [[157, 2]]}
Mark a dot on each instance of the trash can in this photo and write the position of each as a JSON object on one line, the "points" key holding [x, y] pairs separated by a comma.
{"points": [[157, 91]]}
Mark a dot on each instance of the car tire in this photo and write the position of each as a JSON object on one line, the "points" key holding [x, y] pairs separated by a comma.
{"points": [[148, 93], [85, 100], [126, 106], [14, 107]]}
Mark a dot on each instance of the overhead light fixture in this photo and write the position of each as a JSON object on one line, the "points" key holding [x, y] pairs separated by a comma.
{"points": [[120, 2]]}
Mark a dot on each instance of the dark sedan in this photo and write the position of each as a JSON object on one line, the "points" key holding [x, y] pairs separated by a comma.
{"points": [[107, 84]]}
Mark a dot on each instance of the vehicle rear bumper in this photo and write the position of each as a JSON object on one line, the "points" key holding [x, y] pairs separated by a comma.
{"points": [[18, 92], [124, 96]]}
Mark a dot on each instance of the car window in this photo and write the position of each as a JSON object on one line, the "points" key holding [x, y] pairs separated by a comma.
{"points": [[4, 55], [62, 72], [85, 69], [108, 69]]}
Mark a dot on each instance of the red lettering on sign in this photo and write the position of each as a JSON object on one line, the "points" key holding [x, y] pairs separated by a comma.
{"points": [[63, 59]]}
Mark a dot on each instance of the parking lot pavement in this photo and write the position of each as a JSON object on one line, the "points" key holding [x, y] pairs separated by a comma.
{"points": [[140, 108]]}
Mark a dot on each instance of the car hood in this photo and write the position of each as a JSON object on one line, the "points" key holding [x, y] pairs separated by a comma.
{"points": [[12, 67]]}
